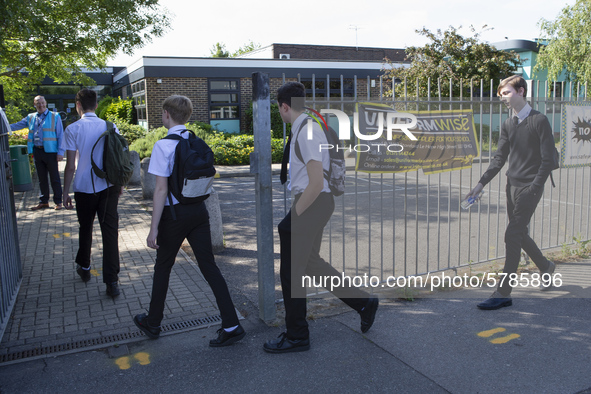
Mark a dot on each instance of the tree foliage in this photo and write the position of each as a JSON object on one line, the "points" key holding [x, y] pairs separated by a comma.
{"points": [[569, 43], [451, 56], [59, 38], [248, 47], [219, 49]]}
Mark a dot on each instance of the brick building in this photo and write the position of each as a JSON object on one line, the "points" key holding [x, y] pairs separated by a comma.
{"points": [[221, 88]]}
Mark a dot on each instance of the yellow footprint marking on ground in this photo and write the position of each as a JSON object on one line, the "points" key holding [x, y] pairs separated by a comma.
{"points": [[504, 339], [66, 234], [123, 362], [489, 333], [56, 236], [94, 273], [143, 358]]}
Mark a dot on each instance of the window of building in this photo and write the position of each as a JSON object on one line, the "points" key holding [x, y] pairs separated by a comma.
{"points": [[138, 93], [319, 90], [224, 99]]}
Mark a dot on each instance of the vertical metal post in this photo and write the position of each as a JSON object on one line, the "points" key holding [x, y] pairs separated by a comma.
{"points": [[260, 165]]}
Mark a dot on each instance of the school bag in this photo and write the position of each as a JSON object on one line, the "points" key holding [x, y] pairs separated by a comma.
{"points": [[193, 171], [555, 157], [336, 173], [117, 165]]}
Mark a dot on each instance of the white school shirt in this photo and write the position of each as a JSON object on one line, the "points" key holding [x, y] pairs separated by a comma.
{"points": [[524, 113], [162, 159], [81, 136], [310, 150]]}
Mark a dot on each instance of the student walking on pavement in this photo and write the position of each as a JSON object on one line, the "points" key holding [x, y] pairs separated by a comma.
{"points": [[527, 141]]}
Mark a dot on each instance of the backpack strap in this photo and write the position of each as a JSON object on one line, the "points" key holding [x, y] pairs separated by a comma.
{"points": [[95, 168], [531, 130], [175, 137], [298, 150]]}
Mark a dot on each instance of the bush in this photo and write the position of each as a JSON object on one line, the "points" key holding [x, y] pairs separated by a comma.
{"points": [[18, 137], [276, 122], [144, 145], [228, 149], [131, 132], [102, 106], [118, 110], [236, 149]]}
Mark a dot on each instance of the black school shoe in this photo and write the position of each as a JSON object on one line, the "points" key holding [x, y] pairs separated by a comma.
{"points": [[113, 289], [284, 345], [141, 321], [368, 314], [496, 301], [227, 338], [84, 274]]}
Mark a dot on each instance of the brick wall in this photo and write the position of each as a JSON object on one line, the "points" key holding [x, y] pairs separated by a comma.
{"points": [[196, 90], [193, 88]]}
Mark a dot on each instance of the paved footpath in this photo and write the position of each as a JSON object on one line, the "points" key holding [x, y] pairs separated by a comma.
{"points": [[438, 344], [55, 311]]}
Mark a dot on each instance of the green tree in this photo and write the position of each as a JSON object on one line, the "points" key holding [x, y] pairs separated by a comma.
{"points": [[248, 47], [219, 50], [449, 55], [569, 43], [58, 38]]}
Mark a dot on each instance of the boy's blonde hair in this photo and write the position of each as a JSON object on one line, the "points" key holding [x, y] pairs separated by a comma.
{"points": [[179, 107]]}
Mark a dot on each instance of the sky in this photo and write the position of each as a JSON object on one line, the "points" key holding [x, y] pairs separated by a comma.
{"points": [[197, 26]]}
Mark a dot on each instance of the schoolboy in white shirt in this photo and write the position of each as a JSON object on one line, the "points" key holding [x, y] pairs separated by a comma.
{"points": [[192, 223]]}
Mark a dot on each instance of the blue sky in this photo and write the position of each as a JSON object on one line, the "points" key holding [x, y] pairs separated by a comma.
{"points": [[197, 26]]}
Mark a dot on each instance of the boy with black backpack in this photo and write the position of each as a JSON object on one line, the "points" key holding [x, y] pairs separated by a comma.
{"points": [[174, 220], [300, 232], [93, 195]]}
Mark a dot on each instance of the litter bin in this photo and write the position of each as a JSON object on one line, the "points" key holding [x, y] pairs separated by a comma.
{"points": [[21, 170]]}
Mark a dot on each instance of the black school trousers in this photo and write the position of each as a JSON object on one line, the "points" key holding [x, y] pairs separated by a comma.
{"points": [[104, 204], [192, 223], [46, 164], [300, 238], [521, 205]]}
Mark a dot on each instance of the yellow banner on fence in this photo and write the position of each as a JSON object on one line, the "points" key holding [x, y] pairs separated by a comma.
{"points": [[445, 141]]}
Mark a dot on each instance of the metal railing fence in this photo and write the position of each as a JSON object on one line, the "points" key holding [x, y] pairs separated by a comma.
{"points": [[11, 272], [411, 223]]}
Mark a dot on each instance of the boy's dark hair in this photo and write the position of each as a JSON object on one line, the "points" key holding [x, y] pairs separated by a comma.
{"points": [[179, 107], [87, 99], [291, 89], [516, 82]]}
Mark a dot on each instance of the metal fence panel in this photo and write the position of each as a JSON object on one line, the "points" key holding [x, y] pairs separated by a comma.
{"points": [[411, 223], [11, 273]]}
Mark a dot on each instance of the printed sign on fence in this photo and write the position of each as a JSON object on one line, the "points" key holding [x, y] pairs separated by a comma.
{"points": [[575, 135], [446, 141]]}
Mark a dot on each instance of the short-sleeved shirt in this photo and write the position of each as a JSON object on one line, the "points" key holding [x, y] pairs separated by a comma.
{"points": [[310, 150], [81, 136], [162, 159]]}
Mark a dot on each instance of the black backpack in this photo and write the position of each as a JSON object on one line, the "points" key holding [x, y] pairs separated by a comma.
{"points": [[117, 165], [193, 170], [335, 175], [556, 156]]}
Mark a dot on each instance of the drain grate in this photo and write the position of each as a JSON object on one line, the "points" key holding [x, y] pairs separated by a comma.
{"points": [[105, 340]]}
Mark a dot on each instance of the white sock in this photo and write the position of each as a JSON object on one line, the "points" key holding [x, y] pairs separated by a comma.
{"points": [[85, 269], [230, 329]]}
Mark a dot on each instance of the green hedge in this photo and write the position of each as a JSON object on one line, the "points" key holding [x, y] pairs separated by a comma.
{"points": [[131, 132], [228, 149], [276, 122], [116, 109]]}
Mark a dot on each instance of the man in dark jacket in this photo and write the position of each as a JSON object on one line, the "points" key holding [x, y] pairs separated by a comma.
{"points": [[527, 140]]}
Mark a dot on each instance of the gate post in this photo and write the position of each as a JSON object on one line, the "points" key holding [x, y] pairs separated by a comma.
{"points": [[260, 165]]}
